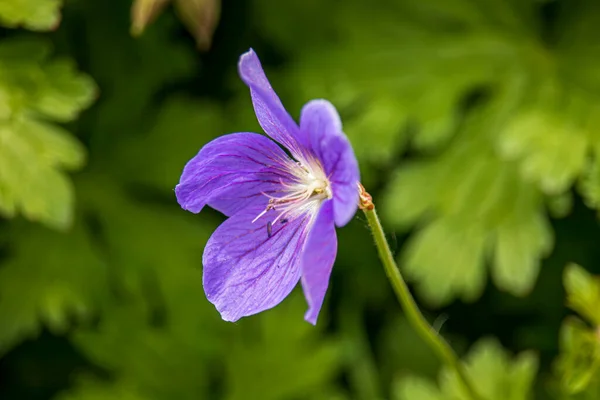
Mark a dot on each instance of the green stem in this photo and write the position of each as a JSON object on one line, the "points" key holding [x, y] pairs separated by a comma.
{"points": [[417, 320]]}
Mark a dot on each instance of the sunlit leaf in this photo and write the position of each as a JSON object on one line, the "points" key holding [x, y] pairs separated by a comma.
{"points": [[413, 388], [37, 15], [413, 77], [579, 361], [472, 207], [583, 293], [35, 153], [493, 373]]}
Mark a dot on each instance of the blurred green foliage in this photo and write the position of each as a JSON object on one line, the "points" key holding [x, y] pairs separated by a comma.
{"points": [[495, 376], [476, 125], [579, 363]]}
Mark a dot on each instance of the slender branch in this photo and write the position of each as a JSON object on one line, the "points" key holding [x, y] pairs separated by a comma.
{"points": [[413, 314]]}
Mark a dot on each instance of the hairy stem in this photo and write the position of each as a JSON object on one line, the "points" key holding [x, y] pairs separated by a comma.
{"points": [[433, 339]]}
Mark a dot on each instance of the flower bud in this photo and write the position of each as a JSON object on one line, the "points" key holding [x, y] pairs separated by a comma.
{"points": [[201, 18], [143, 12]]}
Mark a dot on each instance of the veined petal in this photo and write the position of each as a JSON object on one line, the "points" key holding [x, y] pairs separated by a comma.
{"points": [[271, 114], [321, 123], [233, 172], [317, 261], [249, 267]]}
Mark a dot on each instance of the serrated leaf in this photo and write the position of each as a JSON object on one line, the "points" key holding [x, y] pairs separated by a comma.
{"points": [[583, 293], [579, 361], [37, 15], [539, 138], [578, 365], [493, 374], [446, 259], [64, 92], [33, 152], [520, 240], [472, 206], [428, 63]]}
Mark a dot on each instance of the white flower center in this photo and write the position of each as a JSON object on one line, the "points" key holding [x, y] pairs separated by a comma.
{"points": [[306, 192]]}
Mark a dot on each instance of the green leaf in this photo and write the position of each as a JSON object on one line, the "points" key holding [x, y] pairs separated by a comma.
{"points": [[589, 185], [472, 207], [578, 365], [583, 293], [561, 205], [446, 259], [539, 136], [34, 152], [37, 15], [494, 375], [579, 362], [520, 242], [417, 63], [415, 388], [412, 79]]}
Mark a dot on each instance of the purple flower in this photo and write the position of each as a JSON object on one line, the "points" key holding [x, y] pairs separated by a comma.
{"points": [[282, 210]]}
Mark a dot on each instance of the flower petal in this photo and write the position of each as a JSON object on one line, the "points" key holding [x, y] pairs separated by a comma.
{"points": [[321, 123], [233, 172], [317, 261], [271, 114], [247, 269]]}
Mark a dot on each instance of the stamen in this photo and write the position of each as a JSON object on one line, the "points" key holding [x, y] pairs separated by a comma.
{"points": [[269, 208], [305, 192]]}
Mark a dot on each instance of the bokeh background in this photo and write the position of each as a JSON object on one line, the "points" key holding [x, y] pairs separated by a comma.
{"points": [[477, 128]]}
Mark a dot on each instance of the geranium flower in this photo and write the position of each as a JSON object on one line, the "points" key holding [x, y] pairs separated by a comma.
{"points": [[282, 208]]}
